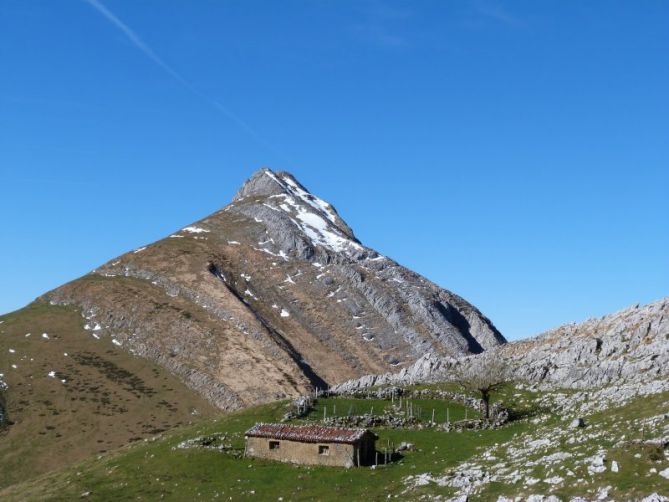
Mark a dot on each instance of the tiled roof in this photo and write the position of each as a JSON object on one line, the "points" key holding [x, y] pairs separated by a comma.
{"points": [[306, 433]]}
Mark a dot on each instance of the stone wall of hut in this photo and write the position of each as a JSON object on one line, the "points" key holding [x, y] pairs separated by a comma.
{"points": [[297, 452]]}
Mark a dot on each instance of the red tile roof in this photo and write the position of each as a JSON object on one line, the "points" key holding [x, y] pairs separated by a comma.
{"points": [[306, 433]]}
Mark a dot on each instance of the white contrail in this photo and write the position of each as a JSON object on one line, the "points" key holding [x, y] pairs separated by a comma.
{"points": [[136, 40], [148, 52]]}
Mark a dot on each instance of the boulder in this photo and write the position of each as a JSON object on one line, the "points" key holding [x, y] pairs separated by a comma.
{"points": [[577, 423]]}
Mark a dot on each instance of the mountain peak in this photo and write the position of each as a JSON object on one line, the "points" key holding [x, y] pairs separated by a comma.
{"points": [[269, 296], [281, 192], [264, 182]]}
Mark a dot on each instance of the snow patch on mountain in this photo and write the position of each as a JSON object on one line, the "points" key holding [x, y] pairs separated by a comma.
{"points": [[195, 230]]}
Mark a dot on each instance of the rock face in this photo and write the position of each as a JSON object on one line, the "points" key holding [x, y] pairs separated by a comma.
{"points": [[628, 347], [271, 296]]}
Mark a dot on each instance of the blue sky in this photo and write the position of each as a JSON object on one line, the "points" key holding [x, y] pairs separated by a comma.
{"points": [[514, 152]]}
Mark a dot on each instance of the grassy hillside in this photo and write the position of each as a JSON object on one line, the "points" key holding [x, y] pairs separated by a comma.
{"points": [[153, 469], [158, 469], [71, 395]]}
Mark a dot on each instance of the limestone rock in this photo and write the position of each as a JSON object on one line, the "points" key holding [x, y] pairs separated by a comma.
{"points": [[576, 423], [629, 348]]}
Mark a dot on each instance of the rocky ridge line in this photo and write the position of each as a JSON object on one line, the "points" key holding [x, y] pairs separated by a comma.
{"points": [[628, 347]]}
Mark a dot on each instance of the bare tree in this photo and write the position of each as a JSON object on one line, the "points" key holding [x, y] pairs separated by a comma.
{"points": [[483, 375]]}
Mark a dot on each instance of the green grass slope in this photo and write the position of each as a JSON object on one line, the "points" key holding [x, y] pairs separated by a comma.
{"points": [[158, 469], [71, 395]]}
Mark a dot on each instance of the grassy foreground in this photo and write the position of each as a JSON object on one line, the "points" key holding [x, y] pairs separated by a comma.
{"points": [[155, 469]]}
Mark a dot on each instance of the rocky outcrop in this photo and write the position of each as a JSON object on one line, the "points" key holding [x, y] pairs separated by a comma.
{"points": [[271, 296], [429, 368], [628, 347]]}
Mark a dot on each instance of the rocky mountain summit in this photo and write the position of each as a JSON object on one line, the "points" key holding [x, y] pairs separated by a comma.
{"points": [[630, 347], [269, 297]]}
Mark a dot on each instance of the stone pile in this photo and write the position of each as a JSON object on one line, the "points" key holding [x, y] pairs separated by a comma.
{"points": [[402, 422], [470, 425], [368, 421], [299, 408], [219, 442]]}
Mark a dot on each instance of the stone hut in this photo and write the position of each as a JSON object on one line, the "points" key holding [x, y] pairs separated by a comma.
{"points": [[311, 444]]}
